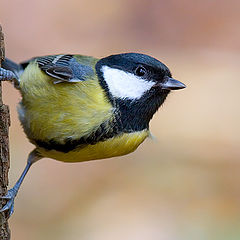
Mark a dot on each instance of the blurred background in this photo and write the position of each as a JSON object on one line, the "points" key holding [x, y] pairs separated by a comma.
{"points": [[185, 184]]}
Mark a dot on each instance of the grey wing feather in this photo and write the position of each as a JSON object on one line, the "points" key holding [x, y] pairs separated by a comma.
{"points": [[64, 68], [59, 72]]}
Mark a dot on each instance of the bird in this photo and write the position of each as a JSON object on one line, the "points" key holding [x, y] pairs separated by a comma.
{"points": [[77, 108]]}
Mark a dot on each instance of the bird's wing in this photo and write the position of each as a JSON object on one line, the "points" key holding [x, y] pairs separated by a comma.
{"points": [[64, 68]]}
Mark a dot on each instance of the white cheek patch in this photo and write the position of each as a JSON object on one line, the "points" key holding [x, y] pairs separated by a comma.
{"points": [[125, 85]]}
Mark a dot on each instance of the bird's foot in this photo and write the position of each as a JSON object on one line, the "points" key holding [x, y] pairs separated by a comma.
{"points": [[6, 75], [9, 206]]}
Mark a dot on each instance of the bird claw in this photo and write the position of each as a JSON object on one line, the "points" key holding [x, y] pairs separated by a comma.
{"points": [[10, 194], [7, 75], [9, 206]]}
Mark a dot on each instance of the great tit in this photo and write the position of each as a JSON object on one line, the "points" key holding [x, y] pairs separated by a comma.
{"points": [[78, 108]]}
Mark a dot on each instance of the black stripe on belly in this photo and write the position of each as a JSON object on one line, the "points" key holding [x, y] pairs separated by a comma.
{"points": [[103, 133]]}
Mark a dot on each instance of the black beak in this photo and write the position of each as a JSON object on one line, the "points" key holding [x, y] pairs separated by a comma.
{"points": [[172, 84]]}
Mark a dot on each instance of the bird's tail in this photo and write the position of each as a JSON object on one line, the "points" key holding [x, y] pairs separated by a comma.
{"points": [[12, 66], [17, 69]]}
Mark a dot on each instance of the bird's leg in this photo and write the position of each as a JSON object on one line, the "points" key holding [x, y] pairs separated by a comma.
{"points": [[7, 75], [12, 193]]}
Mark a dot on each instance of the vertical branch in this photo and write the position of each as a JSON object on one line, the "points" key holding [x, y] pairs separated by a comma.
{"points": [[4, 150]]}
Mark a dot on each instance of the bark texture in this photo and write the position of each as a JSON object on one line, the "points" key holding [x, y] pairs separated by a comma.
{"points": [[4, 151]]}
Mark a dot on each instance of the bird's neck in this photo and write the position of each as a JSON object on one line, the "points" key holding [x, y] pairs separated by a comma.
{"points": [[136, 115]]}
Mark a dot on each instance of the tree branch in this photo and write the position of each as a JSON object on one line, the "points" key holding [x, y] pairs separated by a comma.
{"points": [[4, 150]]}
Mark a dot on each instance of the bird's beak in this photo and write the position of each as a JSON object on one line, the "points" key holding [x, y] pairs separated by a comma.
{"points": [[172, 84]]}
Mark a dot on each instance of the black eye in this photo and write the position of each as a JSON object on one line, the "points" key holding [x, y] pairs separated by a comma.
{"points": [[140, 71]]}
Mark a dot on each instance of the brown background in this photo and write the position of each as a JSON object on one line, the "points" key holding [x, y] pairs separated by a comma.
{"points": [[184, 185]]}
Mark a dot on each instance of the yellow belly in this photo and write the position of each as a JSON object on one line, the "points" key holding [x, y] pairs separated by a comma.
{"points": [[57, 111], [112, 147]]}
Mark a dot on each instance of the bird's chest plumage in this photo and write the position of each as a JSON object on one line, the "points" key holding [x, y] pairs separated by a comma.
{"points": [[51, 111], [72, 111], [116, 146]]}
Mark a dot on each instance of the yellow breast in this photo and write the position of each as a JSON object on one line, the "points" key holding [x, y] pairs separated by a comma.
{"points": [[57, 111], [117, 146]]}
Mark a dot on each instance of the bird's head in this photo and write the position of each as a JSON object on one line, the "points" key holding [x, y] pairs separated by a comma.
{"points": [[136, 81]]}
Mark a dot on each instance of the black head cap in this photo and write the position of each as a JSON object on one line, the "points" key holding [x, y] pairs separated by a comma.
{"points": [[130, 61], [137, 84]]}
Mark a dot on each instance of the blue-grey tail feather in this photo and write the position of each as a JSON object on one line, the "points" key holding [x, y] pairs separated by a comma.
{"points": [[12, 66], [15, 69]]}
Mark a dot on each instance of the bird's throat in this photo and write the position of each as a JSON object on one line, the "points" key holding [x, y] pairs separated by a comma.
{"points": [[136, 115]]}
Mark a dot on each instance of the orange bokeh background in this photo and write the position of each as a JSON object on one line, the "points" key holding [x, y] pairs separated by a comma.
{"points": [[185, 184]]}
